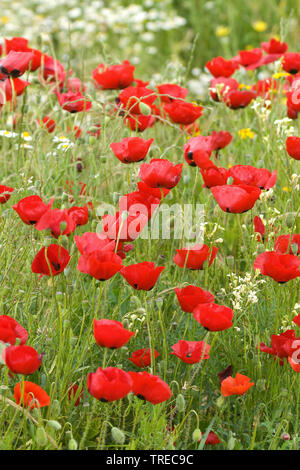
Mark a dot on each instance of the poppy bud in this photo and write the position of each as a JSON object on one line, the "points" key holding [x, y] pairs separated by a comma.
{"points": [[220, 402], [180, 403], [41, 437], [54, 425], [285, 436], [145, 109], [118, 435], [231, 442], [72, 444], [92, 140], [197, 434]]}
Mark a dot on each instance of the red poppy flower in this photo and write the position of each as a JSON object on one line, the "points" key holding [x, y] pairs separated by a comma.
{"points": [[291, 62], [36, 61], [101, 265], [182, 112], [236, 99], [142, 276], [296, 320], [75, 391], [139, 122], [75, 85], [211, 439], [12, 87], [295, 365], [131, 97], [293, 147], [31, 208], [282, 346], [53, 70], [30, 395], [58, 221], [19, 44], [171, 91], [280, 267], [220, 139], [215, 176], [191, 352], [251, 176], [236, 198], [128, 229], [90, 241], [80, 215], [22, 359], [15, 63], [50, 261], [265, 88], [149, 387], [250, 58], [284, 244], [191, 296], [236, 386], [160, 173], [220, 67], [109, 384], [259, 228], [274, 47], [225, 373], [139, 203], [10, 330], [213, 317], [194, 257], [131, 149], [198, 150], [154, 192], [73, 102], [222, 85], [113, 77], [142, 357], [49, 124], [5, 193], [111, 334]]}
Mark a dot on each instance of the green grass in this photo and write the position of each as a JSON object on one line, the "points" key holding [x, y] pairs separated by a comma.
{"points": [[58, 313]]}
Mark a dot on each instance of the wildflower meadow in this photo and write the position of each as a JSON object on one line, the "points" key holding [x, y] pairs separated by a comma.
{"points": [[149, 225]]}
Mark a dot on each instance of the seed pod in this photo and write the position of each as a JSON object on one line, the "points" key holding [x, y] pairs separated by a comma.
{"points": [[118, 435], [197, 434], [145, 109], [41, 437], [54, 425], [180, 403], [72, 444]]}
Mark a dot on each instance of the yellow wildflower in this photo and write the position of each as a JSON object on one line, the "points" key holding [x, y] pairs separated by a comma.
{"points": [[259, 26], [246, 133], [222, 31], [243, 85], [281, 74], [4, 19]]}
